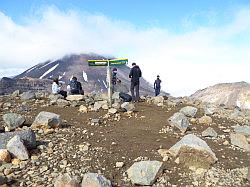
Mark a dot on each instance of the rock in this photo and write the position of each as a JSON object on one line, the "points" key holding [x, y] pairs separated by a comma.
{"points": [[13, 120], [46, 120], [28, 95], [75, 97], [15, 93], [189, 111], [193, 151], [55, 97], [66, 180], [105, 106], [41, 94], [4, 156], [144, 172], [244, 130], [164, 154], [116, 105], [180, 121], [116, 96], [240, 140], [112, 111], [28, 137], [129, 107], [248, 174], [3, 180], [209, 132], [62, 102], [97, 106], [16, 161], [119, 164], [95, 180], [209, 109], [17, 148], [158, 99], [83, 109], [95, 121], [205, 120]]}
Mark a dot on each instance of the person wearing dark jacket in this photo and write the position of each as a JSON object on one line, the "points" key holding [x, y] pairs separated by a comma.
{"points": [[135, 74], [75, 87], [157, 85]]}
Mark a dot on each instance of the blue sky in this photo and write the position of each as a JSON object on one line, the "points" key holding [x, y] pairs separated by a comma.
{"points": [[190, 43]]}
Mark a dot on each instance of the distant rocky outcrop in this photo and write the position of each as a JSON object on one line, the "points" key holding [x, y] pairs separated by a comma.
{"points": [[228, 94]]}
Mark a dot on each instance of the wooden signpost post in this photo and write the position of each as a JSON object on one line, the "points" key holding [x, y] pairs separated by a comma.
{"points": [[108, 64]]}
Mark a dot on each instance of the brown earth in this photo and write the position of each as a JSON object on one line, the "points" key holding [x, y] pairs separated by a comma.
{"points": [[125, 140]]}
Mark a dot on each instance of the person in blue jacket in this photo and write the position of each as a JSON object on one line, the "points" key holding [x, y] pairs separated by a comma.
{"points": [[157, 85]]}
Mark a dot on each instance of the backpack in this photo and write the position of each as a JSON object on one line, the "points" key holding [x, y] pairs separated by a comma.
{"points": [[73, 85], [125, 97]]}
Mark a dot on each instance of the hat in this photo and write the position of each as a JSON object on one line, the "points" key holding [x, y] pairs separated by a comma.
{"points": [[158, 76]]}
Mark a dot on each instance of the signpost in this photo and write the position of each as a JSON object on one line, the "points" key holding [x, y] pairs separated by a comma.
{"points": [[108, 64]]}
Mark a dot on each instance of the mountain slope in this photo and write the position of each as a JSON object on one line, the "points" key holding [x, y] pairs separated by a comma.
{"points": [[92, 78], [228, 94]]}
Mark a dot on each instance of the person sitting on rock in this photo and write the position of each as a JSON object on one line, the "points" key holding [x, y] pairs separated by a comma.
{"points": [[75, 87], [56, 89]]}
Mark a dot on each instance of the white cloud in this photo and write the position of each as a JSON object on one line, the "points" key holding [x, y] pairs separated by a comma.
{"points": [[186, 62]]}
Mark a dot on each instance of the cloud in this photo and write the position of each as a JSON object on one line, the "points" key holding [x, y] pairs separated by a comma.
{"points": [[186, 61]]}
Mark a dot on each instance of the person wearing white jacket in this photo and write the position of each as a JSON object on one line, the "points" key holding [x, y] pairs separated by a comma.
{"points": [[56, 89]]}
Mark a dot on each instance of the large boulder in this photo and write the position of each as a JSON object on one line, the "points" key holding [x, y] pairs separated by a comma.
{"points": [[180, 121], [28, 137], [4, 156], [193, 151], [189, 111], [28, 95], [66, 180], [13, 120], [75, 97], [129, 107], [240, 140], [17, 148], [144, 172], [244, 130], [95, 180], [46, 120]]}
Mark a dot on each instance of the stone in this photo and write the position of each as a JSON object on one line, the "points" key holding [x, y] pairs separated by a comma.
{"points": [[95, 121], [129, 107], [13, 120], [17, 148], [3, 180], [15, 93], [189, 111], [105, 106], [55, 97], [240, 140], [112, 110], [209, 109], [180, 121], [83, 109], [205, 120], [4, 156], [66, 180], [95, 180], [244, 130], [248, 174], [16, 161], [144, 172], [119, 164], [28, 137], [158, 99], [209, 132], [193, 151], [28, 95], [97, 106], [75, 97], [46, 120], [116, 105], [62, 102]]}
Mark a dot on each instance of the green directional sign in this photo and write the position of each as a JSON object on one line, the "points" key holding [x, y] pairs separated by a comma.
{"points": [[113, 62], [117, 62]]}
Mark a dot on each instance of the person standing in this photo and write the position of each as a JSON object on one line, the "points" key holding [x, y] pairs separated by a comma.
{"points": [[134, 75], [157, 85]]}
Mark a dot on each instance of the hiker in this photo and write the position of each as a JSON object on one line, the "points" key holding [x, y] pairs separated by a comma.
{"points": [[56, 89], [75, 87], [114, 79], [157, 85], [135, 74]]}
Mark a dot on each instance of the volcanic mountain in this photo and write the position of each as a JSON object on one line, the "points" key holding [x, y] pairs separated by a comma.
{"points": [[92, 78]]}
